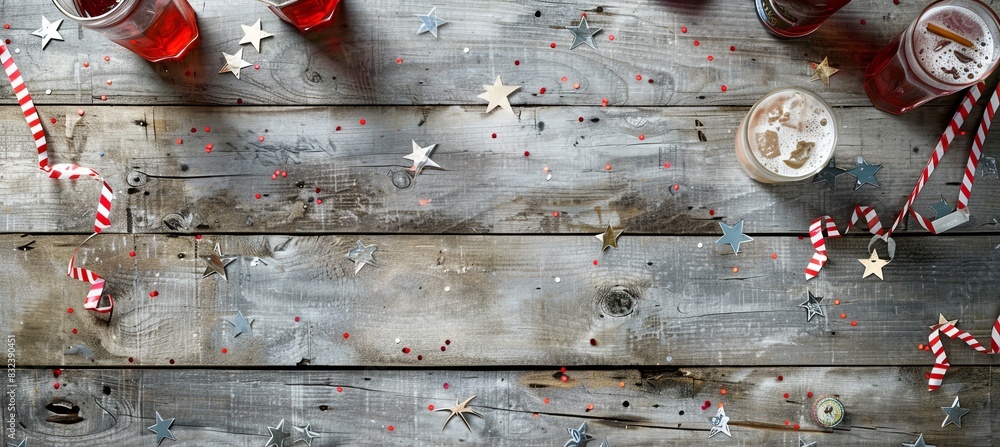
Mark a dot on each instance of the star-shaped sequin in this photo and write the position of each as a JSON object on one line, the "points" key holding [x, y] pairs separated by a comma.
{"points": [[609, 238], [430, 22], [943, 321], [578, 437], [460, 409], [421, 157], [252, 35], [720, 423], [865, 173], [873, 265], [303, 434], [240, 324], [941, 209], [829, 174], [918, 443], [234, 63], [217, 264], [48, 31], [733, 236], [361, 254], [804, 444], [583, 34], [954, 414], [23, 443], [497, 95], [812, 307], [822, 71], [278, 435], [162, 429]]}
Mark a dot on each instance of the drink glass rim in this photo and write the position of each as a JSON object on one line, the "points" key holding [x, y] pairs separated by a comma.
{"points": [[279, 3], [922, 71], [114, 14], [752, 157]]}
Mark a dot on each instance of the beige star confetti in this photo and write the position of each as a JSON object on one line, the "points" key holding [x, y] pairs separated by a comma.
{"points": [[822, 71], [943, 321], [234, 63], [497, 95], [253, 35], [460, 409], [609, 238], [873, 265]]}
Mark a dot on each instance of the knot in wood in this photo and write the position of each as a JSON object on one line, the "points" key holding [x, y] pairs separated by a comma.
{"points": [[617, 301], [400, 179], [135, 178]]}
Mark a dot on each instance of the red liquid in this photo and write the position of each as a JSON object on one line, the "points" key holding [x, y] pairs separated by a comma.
{"points": [[168, 37], [94, 8], [796, 18], [888, 85], [307, 14]]}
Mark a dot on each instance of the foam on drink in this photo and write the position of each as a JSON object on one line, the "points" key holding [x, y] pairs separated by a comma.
{"points": [[791, 134], [948, 61]]}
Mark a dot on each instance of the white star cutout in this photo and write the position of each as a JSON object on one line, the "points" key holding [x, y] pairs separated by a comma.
{"points": [[234, 63], [497, 95], [48, 31], [253, 34]]}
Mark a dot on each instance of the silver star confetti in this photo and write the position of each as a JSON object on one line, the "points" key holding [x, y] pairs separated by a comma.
{"points": [[497, 95], [252, 35], [609, 238], [733, 236], [162, 429], [918, 443], [217, 264], [804, 444], [303, 434], [873, 265], [829, 174], [48, 31], [234, 63], [578, 437], [278, 435], [583, 34], [720, 423], [812, 307], [954, 414], [941, 209], [361, 254], [605, 443], [240, 325], [865, 173], [421, 157], [460, 409], [23, 443], [430, 22]]}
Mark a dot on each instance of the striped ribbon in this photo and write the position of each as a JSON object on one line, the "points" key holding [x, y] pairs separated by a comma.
{"points": [[65, 171], [941, 223], [941, 364]]}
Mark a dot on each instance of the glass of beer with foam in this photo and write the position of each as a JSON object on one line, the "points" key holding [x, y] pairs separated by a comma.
{"points": [[787, 136]]}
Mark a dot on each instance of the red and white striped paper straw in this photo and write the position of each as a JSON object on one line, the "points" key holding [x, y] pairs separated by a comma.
{"points": [[826, 225], [941, 364], [66, 171]]}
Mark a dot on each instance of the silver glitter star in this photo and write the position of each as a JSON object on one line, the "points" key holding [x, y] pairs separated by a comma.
{"points": [[48, 31], [865, 173], [430, 22], [278, 435], [583, 34], [303, 434], [733, 236], [240, 325], [605, 443], [23, 443], [421, 157], [253, 35], [497, 95], [803, 443], [234, 63], [162, 429], [941, 209], [720, 423], [578, 437], [829, 174], [361, 254], [460, 409], [812, 307], [918, 443], [954, 414], [217, 264]]}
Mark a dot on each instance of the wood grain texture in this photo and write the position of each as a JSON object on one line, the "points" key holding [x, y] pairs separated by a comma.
{"points": [[355, 62], [885, 406], [500, 300], [487, 185]]}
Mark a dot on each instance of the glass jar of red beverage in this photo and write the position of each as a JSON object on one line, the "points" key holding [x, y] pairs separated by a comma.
{"points": [[157, 30], [304, 14], [796, 18]]}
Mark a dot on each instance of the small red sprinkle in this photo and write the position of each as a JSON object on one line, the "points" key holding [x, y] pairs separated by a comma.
{"points": [[208, 129], [180, 141], [564, 378], [284, 173], [107, 58], [517, 62], [56, 373], [80, 112], [319, 201], [854, 323], [86, 64], [555, 214], [399, 60], [546, 400], [494, 135], [430, 407], [684, 29], [736, 269], [130, 360], [927, 375], [593, 342], [56, 385], [604, 102], [193, 130], [6, 26], [864, 22], [534, 414], [260, 138], [391, 428], [256, 66], [809, 394], [708, 403], [541, 91], [224, 350], [711, 58], [443, 349], [774, 256], [70, 310], [722, 391], [895, 2], [724, 89], [420, 357], [74, 330], [562, 370], [109, 82], [780, 378], [786, 395], [131, 254], [171, 361], [787, 422], [837, 302], [298, 319], [154, 294], [595, 262], [638, 77], [274, 176], [53, 120], [317, 190], [257, 196], [590, 407], [446, 385], [607, 167], [363, 122], [338, 128], [676, 187], [650, 80], [340, 389], [208, 147], [843, 315], [796, 426], [611, 37], [187, 73], [406, 350], [696, 43], [576, 85], [197, 237], [711, 212], [346, 335], [447, 342], [580, 119], [552, 45], [104, 97], [642, 137]]}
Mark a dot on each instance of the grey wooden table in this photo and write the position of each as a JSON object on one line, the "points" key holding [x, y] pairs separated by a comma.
{"points": [[489, 279]]}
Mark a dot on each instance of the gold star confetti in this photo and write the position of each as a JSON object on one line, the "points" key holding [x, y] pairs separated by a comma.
{"points": [[873, 265], [497, 95], [609, 238], [822, 71], [943, 321], [460, 409]]}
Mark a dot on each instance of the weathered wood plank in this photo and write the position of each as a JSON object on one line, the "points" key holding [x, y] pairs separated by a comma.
{"points": [[487, 184], [356, 61], [499, 300], [885, 406]]}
